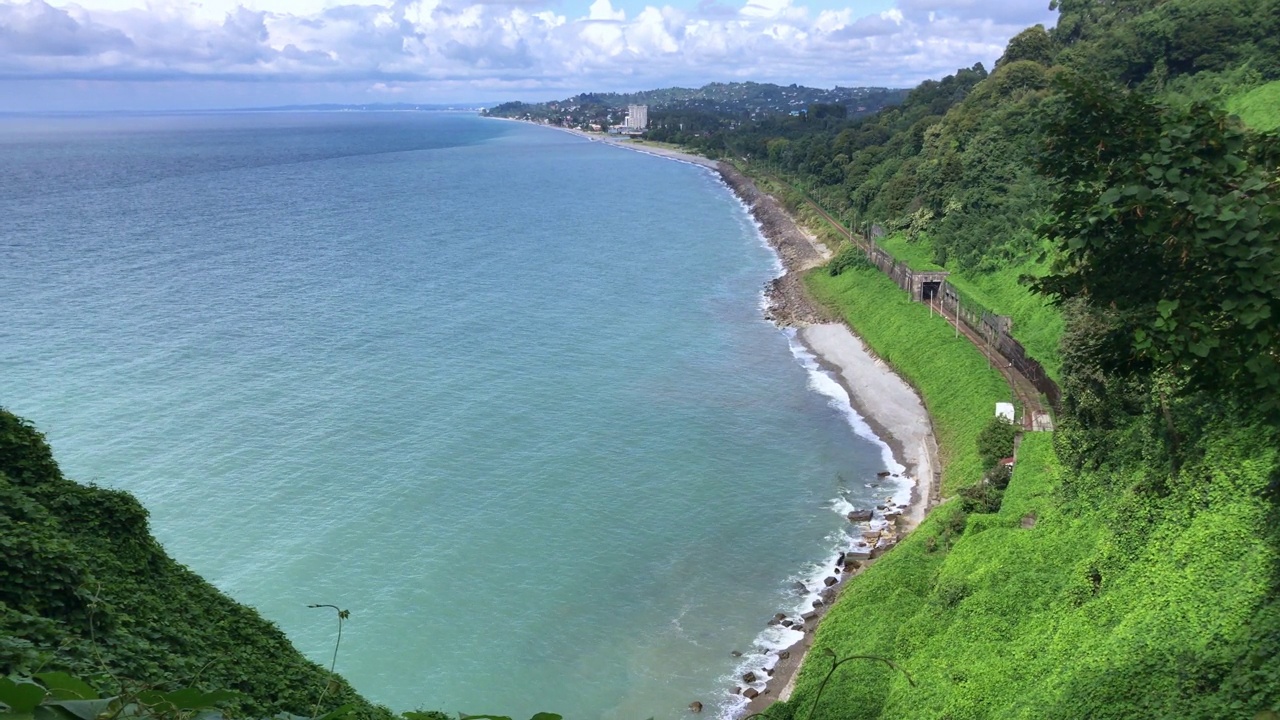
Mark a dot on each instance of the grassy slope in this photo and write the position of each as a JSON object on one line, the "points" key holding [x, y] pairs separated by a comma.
{"points": [[1260, 107], [1036, 323], [1013, 625], [1005, 622], [958, 387], [84, 587]]}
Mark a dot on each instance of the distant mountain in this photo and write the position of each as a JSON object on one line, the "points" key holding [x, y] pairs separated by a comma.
{"points": [[366, 107], [706, 108]]}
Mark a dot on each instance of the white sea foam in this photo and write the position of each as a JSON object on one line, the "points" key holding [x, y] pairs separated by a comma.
{"points": [[825, 383], [774, 638], [779, 269]]}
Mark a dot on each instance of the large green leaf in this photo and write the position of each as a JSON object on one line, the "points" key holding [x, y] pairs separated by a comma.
{"points": [[86, 709], [20, 696], [195, 699], [62, 686]]}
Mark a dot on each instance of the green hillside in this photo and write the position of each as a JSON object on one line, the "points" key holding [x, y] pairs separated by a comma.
{"points": [[1259, 108], [1093, 187], [953, 171], [1100, 586], [85, 588]]}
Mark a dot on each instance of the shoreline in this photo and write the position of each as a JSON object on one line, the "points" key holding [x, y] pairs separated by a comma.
{"points": [[890, 408]]}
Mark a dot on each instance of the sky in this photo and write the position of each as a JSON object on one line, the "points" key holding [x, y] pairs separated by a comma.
{"points": [[82, 55]]}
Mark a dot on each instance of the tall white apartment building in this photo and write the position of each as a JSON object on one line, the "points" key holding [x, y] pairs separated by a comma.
{"points": [[637, 117]]}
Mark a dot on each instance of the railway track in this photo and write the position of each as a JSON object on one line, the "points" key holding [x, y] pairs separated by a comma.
{"points": [[1035, 413]]}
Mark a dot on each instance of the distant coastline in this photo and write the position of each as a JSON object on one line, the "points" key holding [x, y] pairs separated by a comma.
{"points": [[889, 406]]}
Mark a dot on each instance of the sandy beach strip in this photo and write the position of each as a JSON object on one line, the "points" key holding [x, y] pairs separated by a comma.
{"points": [[660, 151], [889, 405], [627, 144]]}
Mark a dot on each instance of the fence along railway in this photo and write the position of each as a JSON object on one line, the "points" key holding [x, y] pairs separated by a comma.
{"points": [[989, 332]]}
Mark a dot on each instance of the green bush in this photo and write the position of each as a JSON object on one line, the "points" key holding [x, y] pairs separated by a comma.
{"points": [[995, 442], [980, 498], [849, 257]]}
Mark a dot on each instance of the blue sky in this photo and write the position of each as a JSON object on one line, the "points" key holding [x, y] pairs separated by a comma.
{"points": [[185, 54]]}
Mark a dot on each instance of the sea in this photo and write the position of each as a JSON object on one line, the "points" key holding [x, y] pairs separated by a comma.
{"points": [[505, 394]]}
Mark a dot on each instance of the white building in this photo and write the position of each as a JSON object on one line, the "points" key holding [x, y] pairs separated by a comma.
{"points": [[637, 117]]}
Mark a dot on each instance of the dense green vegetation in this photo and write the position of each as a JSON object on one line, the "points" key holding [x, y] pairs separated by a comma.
{"points": [[1259, 108], [85, 588], [1136, 576], [1131, 566], [952, 171], [1165, 224], [1085, 595]]}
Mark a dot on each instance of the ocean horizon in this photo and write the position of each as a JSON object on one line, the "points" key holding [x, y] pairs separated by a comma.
{"points": [[505, 394]]}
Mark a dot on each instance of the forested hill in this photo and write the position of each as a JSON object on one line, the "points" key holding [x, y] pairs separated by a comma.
{"points": [[1113, 184], [954, 166], [681, 113]]}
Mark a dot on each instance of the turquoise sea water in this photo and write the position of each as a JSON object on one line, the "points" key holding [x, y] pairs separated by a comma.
{"points": [[504, 393]]}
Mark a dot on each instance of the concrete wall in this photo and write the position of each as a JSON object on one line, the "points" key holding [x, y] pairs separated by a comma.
{"points": [[995, 330]]}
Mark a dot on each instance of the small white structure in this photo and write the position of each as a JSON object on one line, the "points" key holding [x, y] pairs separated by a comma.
{"points": [[1005, 410]]}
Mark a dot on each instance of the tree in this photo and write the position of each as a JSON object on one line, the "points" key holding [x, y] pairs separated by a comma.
{"points": [[1032, 44], [1167, 221]]}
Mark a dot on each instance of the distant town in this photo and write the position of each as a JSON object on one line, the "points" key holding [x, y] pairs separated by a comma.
{"points": [[715, 107]]}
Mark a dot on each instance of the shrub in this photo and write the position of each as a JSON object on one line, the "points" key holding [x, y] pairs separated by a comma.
{"points": [[850, 257], [995, 442]]}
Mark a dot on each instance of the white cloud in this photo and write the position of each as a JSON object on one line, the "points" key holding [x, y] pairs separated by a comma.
{"points": [[498, 48], [603, 10]]}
